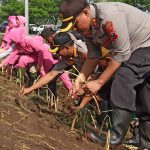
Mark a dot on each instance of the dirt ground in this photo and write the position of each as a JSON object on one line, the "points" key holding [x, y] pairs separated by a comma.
{"points": [[26, 123]]}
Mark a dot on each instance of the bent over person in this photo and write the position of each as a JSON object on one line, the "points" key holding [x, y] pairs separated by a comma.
{"points": [[71, 50], [125, 30]]}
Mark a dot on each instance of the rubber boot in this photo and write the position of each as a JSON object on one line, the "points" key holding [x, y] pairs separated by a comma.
{"points": [[144, 132], [120, 124], [100, 118], [104, 107]]}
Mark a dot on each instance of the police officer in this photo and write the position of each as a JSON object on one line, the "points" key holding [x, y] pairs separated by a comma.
{"points": [[125, 30], [72, 50]]}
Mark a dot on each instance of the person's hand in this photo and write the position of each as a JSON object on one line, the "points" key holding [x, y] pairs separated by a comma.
{"points": [[25, 91], [77, 88], [72, 92], [76, 91], [2, 50], [1, 65], [94, 86]]}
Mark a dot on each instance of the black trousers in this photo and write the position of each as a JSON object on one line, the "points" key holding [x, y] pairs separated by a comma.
{"points": [[53, 86], [143, 100], [129, 76]]}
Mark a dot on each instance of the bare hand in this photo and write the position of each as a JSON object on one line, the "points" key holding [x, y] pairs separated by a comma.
{"points": [[94, 86], [2, 50], [76, 91], [73, 91], [25, 91], [1, 65]]}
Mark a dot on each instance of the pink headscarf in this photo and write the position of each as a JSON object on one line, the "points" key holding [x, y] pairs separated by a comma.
{"points": [[22, 20], [13, 20], [15, 36], [8, 29], [12, 17]]}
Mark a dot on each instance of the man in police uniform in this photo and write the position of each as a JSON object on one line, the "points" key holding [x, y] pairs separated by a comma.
{"points": [[72, 52], [125, 30]]}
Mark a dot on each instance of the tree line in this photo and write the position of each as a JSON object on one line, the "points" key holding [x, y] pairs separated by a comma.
{"points": [[40, 11], [43, 11]]}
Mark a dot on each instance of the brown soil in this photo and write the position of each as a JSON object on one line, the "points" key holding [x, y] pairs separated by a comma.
{"points": [[26, 123]]}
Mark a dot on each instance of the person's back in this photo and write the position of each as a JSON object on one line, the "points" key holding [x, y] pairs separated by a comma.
{"points": [[137, 21], [126, 31]]}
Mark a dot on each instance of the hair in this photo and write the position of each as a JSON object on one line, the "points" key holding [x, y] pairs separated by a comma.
{"points": [[47, 32], [63, 38], [73, 7]]}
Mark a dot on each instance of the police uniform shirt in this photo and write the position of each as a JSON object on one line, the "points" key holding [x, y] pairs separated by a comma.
{"points": [[122, 28]]}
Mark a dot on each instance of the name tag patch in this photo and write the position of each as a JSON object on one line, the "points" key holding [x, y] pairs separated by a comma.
{"points": [[108, 28]]}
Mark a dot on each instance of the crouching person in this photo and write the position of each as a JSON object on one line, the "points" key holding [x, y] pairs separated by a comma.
{"points": [[33, 50], [72, 52], [115, 30]]}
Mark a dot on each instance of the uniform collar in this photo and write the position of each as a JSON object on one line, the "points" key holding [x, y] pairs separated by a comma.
{"points": [[96, 12], [92, 12]]}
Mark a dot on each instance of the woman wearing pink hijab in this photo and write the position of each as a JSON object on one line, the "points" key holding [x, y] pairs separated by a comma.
{"points": [[20, 21], [33, 50], [18, 25], [11, 24]]}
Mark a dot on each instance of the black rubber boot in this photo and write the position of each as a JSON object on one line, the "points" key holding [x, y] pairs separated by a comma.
{"points": [[100, 118], [53, 87], [120, 124], [104, 106], [144, 132]]}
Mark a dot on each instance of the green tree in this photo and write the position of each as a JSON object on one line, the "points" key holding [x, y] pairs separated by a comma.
{"points": [[143, 5], [11, 7], [43, 11], [40, 11]]}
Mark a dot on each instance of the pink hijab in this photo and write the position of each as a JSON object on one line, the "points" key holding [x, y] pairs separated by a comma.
{"points": [[22, 20]]}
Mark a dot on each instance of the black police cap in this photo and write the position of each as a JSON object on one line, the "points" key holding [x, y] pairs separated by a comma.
{"points": [[60, 40], [68, 11]]}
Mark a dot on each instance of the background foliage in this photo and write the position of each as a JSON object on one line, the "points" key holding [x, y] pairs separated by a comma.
{"points": [[43, 11]]}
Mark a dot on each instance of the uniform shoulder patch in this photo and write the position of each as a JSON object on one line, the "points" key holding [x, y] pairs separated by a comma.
{"points": [[108, 28]]}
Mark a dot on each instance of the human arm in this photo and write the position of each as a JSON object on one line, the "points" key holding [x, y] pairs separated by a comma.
{"points": [[116, 27], [41, 82]]}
